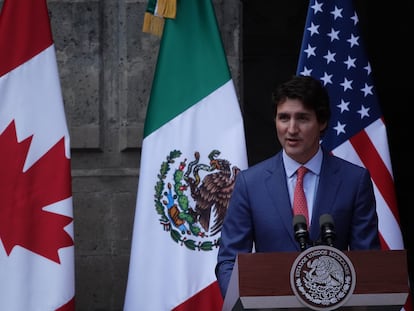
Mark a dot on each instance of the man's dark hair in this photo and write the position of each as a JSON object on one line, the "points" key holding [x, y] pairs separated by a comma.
{"points": [[309, 91]]}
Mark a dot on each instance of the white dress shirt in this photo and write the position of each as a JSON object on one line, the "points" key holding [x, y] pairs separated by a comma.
{"points": [[310, 181]]}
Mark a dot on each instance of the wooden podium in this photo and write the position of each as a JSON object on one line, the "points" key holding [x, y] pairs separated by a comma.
{"points": [[261, 281]]}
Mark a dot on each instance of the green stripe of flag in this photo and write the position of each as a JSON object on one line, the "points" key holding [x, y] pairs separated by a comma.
{"points": [[184, 75]]}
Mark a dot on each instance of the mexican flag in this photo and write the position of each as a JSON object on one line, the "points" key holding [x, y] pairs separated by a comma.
{"points": [[193, 148], [36, 222]]}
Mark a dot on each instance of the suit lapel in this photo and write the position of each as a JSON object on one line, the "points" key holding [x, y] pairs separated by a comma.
{"points": [[277, 188], [327, 190]]}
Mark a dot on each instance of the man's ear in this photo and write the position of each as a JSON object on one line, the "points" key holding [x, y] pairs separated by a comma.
{"points": [[323, 126]]}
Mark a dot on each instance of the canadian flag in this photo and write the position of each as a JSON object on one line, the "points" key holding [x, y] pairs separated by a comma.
{"points": [[36, 212]]}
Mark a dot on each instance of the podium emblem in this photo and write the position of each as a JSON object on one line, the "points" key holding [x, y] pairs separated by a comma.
{"points": [[322, 278]]}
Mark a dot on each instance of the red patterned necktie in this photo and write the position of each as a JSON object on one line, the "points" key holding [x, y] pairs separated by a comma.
{"points": [[300, 206]]}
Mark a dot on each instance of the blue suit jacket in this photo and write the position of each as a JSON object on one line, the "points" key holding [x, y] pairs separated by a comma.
{"points": [[260, 213]]}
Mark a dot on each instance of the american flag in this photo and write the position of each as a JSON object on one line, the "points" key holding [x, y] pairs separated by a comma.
{"points": [[333, 52]]}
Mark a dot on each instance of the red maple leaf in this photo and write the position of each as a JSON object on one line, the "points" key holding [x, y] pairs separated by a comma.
{"points": [[23, 195]]}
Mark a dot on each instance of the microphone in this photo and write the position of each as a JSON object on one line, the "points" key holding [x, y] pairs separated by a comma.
{"points": [[301, 231], [328, 233]]}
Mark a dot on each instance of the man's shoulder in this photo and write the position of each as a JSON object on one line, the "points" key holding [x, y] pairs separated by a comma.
{"points": [[267, 164], [346, 166]]}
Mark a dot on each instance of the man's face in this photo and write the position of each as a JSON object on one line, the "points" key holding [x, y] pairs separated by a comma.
{"points": [[298, 130]]}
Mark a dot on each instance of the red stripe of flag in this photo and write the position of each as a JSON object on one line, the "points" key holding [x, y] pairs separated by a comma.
{"points": [[69, 306], [22, 36], [384, 244], [379, 172], [206, 300]]}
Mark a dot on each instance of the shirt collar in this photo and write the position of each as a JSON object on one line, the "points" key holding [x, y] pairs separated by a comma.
{"points": [[314, 164]]}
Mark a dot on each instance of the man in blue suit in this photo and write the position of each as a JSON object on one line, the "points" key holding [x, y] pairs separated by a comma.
{"points": [[259, 217]]}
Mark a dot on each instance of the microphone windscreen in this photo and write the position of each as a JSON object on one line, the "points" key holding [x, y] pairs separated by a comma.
{"points": [[299, 219], [325, 219]]}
